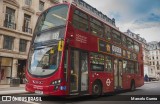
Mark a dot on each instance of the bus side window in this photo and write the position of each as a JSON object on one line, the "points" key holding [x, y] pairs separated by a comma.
{"points": [[130, 43], [123, 40], [96, 27], [80, 20], [107, 33], [116, 37], [108, 64], [124, 66]]}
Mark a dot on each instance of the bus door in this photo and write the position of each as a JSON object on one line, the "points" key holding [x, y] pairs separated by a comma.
{"points": [[118, 74], [78, 72]]}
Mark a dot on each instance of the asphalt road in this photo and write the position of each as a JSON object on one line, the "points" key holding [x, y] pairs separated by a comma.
{"points": [[150, 91]]}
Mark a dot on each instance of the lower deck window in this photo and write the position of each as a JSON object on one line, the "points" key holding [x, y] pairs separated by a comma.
{"points": [[97, 62]]}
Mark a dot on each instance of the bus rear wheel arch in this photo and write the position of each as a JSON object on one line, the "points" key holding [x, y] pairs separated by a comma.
{"points": [[97, 88]]}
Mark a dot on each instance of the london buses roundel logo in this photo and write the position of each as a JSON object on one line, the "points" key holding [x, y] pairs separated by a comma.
{"points": [[108, 82]]}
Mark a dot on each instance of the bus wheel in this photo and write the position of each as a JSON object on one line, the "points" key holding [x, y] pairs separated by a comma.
{"points": [[132, 86], [96, 88]]}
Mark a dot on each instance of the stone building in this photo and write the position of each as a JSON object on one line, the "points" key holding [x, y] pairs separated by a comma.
{"points": [[148, 69], [17, 22], [154, 57]]}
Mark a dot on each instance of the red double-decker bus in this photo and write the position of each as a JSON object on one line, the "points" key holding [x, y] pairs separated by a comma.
{"points": [[76, 50]]}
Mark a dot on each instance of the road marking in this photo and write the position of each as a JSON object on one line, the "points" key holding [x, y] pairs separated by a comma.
{"points": [[29, 102], [151, 87]]}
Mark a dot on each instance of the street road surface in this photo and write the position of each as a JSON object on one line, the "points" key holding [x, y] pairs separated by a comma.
{"points": [[151, 90]]}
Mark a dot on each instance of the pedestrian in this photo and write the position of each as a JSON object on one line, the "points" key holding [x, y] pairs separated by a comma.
{"points": [[146, 77]]}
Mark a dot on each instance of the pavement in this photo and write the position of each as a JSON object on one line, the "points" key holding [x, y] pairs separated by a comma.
{"points": [[7, 90], [151, 82]]}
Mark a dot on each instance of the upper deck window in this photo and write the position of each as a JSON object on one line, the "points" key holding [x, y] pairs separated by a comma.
{"points": [[53, 17], [107, 32], [130, 43], [116, 37], [123, 40], [80, 20], [136, 46], [96, 27]]}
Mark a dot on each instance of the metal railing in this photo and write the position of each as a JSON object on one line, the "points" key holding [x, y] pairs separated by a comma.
{"points": [[10, 25], [27, 29]]}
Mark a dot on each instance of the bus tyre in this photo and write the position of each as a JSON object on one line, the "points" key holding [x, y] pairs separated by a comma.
{"points": [[96, 89], [132, 86]]}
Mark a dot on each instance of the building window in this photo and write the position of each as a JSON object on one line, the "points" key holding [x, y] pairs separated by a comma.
{"points": [[28, 2], [153, 63], [27, 23], [8, 42], [157, 63], [23, 45], [157, 57], [9, 21], [151, 70], [41, 5], [153, 58], [157, 68]]}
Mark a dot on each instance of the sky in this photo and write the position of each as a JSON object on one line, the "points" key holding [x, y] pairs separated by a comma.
{"points": [[140, 16]]}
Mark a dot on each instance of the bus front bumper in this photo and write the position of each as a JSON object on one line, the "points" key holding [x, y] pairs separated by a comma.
{"points": [[46, 90]]}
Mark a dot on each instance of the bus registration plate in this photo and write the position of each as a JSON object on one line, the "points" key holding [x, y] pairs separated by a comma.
{"points": [[38, 92]]}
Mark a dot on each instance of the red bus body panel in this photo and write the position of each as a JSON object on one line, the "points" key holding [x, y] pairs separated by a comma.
{"points": [[85, 41]]}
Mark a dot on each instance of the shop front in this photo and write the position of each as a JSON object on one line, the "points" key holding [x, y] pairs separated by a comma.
{"points": [[5, 70]]}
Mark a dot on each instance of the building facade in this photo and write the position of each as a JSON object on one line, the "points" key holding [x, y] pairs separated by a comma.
{"points": [[154, 57], [17, 22], [148, 69]]}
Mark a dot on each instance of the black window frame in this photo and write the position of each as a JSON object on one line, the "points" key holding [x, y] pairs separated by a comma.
{"points": [[124, 40], [136, 44], [9, 21], [22, 45], [27, 24], [8, 42]]}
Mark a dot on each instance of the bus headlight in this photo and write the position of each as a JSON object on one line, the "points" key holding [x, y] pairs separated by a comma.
{"points": [[56, 82]]}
